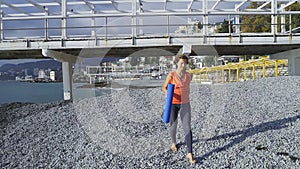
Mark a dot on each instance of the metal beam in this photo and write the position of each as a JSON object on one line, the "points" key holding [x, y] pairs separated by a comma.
{"points": [[216, 4], [165, 4], [239, 5], [264, 4], [15, 8], [114, 4], [90, 5], [154, 13], [190, 5], [42, 8], [287, 5]]}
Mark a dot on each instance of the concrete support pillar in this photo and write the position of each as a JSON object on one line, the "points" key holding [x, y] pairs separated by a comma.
{"points": [[67, 80], [293, 57], [186, 50], [67, 63], [294, 65]]}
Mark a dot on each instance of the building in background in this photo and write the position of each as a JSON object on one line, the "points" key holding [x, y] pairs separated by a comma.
{"points": [[52, 75], [42, 74]]}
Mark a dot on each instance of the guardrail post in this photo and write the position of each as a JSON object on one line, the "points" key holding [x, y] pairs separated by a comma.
{"points": [[1, 25], [237, 21], [93, 24], [64, 20], [274, 18], [205, 20], [46, 24], [133, 23], [168, 30], [282, 18], [106, 27]]}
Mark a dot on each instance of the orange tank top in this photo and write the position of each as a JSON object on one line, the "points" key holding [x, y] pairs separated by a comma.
{"points": [[182, 88]]}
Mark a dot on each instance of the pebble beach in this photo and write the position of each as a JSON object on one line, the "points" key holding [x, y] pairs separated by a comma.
{"points": [[251, 124]]}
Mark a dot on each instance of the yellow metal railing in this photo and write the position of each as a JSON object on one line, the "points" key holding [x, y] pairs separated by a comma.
{"points": [[242, 71]]}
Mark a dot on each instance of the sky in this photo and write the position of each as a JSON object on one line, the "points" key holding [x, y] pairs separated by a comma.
{"points": [[100, 21]]}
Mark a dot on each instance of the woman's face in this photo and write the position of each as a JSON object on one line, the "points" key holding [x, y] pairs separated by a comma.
{"points": [[181, 65]]}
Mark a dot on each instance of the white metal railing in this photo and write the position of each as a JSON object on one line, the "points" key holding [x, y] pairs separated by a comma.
{"points": [[107, 31], [58, 20]]}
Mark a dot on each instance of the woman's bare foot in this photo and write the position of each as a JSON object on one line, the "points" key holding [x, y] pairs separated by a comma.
{"points": [[174, 147], [191, 158]]}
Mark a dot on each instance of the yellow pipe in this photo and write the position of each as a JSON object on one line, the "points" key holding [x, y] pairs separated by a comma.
{"points": [[229, 75], [276, 68], [253, 72], [200, 76], [245, 72], [222, 75], [217, 76], [264, 68], [204, 73], [238, 74]]}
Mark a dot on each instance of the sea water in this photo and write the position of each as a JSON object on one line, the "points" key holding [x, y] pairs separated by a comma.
{"points": [[14, 91]]}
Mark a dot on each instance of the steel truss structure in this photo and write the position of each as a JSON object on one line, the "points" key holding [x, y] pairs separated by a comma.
{"points": [[66, 16], [92, 8]]}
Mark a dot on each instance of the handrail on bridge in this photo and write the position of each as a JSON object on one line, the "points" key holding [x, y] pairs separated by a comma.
{"points": [[44, 31], [104, 19], [242, 71]]}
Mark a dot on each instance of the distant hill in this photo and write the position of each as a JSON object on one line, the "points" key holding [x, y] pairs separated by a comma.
{"points": [[11, 71], [45, 64]]}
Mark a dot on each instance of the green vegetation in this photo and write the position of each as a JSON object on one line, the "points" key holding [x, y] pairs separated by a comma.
{"points": [[262, 23]]}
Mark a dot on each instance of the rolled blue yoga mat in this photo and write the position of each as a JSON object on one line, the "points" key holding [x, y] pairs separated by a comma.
{"points": [[168, 105]]}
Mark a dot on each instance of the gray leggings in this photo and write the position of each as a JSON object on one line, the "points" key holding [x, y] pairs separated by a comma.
{"points": [[185, 115]]}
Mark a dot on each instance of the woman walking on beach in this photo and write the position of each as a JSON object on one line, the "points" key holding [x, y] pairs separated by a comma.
{"points": [[180, 103]]}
